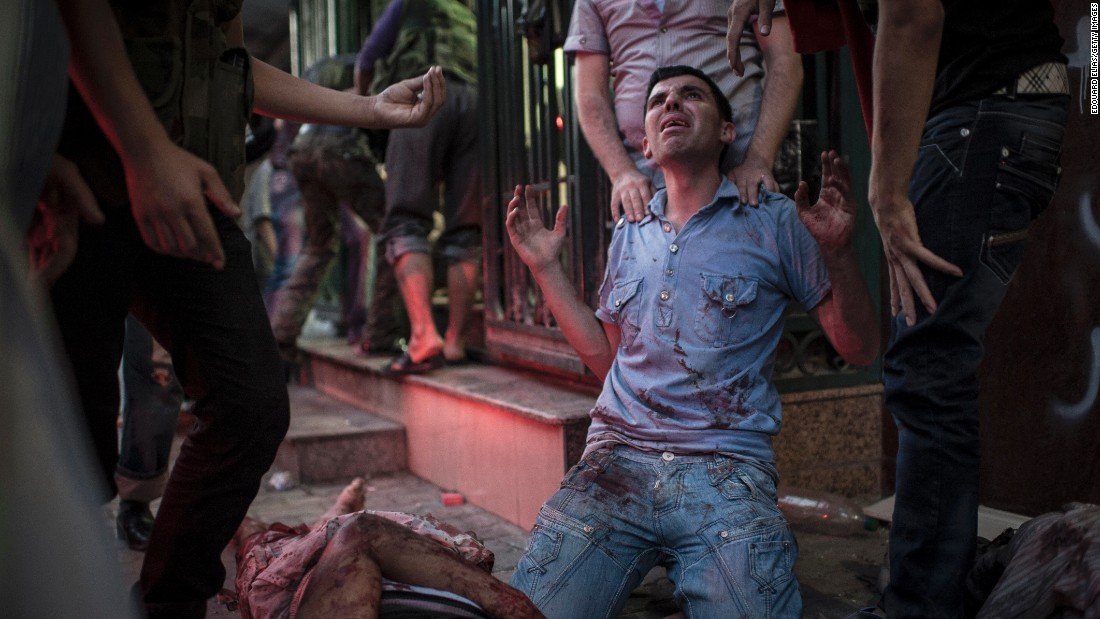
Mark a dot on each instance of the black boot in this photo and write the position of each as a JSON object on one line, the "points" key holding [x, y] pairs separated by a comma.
{"points": [[134, 524]]}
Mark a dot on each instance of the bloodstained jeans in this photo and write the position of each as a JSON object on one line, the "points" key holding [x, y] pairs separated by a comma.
{"points": [[986, 168], [712, 521], [214, 325]]}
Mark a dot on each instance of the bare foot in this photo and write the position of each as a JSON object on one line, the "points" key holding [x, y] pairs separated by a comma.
{"points": [[424, 348], [351, 499]]}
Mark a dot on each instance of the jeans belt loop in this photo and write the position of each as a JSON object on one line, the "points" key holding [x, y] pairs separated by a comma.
{"points": [[1049, 78]]}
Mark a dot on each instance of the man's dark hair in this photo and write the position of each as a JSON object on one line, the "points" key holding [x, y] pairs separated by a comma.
{"points": [[664, 73]]}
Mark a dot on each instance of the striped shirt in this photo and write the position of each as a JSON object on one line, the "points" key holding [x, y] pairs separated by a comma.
{"points": [[638, 37]]}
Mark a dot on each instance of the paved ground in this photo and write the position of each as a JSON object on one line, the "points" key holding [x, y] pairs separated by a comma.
{"points": [[837, 574]]}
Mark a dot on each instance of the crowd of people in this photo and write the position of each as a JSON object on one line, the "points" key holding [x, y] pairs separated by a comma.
{"points": [[120, 200]]}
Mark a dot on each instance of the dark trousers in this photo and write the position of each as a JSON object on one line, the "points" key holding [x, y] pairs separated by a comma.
{"points": [[985, 170], [214, 325]]}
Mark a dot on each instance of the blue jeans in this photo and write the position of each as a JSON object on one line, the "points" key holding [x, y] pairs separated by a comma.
{"points": [[151, 399], [710, 520], [986, 168]]}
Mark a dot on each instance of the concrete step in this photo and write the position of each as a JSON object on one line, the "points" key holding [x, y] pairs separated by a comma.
{"points": [[330, 440], [501, 437]]}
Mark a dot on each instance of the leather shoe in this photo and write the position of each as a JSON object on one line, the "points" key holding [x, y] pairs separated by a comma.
{"points": [[134, 524]]}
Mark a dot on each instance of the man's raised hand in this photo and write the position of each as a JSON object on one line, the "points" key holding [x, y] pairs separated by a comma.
{"points": [[538, 247]]}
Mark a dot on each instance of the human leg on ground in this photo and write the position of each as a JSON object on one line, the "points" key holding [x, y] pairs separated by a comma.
{"points": [[593, 541], [347, 578]]}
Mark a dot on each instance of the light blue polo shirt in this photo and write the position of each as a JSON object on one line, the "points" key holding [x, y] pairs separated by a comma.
{"points": [[701, 312]]}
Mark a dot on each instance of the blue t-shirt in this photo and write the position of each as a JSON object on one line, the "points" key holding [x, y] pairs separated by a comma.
{"points": [[701, 312]]}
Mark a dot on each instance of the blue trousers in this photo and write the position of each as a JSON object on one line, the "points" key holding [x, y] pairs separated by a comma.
{"points": [[710, 520], [986, 168]]}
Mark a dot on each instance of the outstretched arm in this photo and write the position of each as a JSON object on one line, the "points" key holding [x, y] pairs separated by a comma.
{"points": [[539, 248], [904, 72], [630, 189], [409, 103], [846, 313], [782, 84]]}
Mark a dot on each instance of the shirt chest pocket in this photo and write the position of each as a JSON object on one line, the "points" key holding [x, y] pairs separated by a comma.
{"points": [[623, 305], [724, 313]]}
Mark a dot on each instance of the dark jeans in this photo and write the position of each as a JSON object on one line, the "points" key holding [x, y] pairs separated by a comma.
{"points": [[151, 399], [985, 170], [214, 325]]}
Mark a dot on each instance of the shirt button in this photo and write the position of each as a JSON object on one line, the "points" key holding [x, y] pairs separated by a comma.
{"points": [[1004, 152], [729, 297], [663, 30], [618, 302], [668, 271], [668, 456], [964, 132], [664, 295], [674, 248], [668, 227]]}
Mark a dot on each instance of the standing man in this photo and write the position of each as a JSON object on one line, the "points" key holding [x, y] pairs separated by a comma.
{"points": [[628, 40], [335, 170], [965, 152], [163, 90], [679, 470], [410, 36]]}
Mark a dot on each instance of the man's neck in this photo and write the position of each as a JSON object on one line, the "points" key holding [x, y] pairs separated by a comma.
{"points": [[688, 189]]}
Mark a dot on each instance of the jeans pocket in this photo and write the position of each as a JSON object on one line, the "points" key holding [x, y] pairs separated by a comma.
{"points": [[1031, 172], [583, 473], [771, 563], [1027, 177]]}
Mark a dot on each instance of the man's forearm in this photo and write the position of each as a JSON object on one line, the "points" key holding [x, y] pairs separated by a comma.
{"points": [[904, 74], [576, 320], [849, 319], [597, 116], [782, 85], [281, 95]]}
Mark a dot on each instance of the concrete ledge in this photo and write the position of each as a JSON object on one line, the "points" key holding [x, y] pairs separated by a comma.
{"points": [[501, 437], [330, 440]]}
